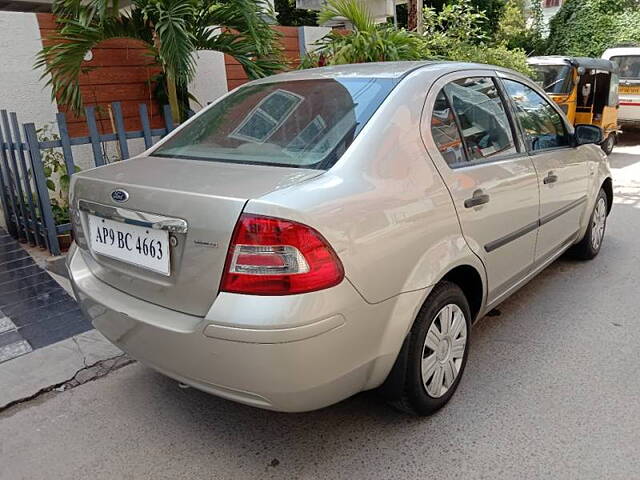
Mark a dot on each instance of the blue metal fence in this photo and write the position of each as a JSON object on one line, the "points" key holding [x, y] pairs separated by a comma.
{"points": [[24, 194]]}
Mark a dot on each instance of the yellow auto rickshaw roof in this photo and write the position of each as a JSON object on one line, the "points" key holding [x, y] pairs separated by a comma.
{"points": [[585, 62]]}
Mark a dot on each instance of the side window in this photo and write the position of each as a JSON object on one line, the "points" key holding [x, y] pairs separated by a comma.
{"points": [[482, 117], [445, 132], [542, 125]]}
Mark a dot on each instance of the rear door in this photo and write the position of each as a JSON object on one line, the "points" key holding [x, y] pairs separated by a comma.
{"points": [[562, 169], [492, 181]]}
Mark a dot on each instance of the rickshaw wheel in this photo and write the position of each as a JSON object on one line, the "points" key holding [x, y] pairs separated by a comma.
{"points": [[609, 143]]}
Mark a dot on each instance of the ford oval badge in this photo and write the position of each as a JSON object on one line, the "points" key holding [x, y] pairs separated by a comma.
{"points": [[120, 196]]}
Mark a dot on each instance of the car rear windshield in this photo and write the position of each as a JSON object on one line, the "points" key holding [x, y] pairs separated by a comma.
{"points": [[629, 66], [553, 78], [302, 123]]}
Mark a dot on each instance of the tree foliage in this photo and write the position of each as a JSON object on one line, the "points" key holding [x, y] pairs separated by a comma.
{"points": [[291, 16], [492, 10], [455, 33], [367, 42], [173, 31], [515, 32], [588, 27]]}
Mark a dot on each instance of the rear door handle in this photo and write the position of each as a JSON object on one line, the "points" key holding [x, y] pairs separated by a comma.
{"points": [[550, 178], [478, 198]]}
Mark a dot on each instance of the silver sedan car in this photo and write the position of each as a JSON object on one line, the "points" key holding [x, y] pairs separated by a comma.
{"points": [[322, 232]]}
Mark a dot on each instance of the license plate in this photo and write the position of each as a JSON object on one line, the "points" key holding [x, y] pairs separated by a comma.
{"points": [[146, 248]]}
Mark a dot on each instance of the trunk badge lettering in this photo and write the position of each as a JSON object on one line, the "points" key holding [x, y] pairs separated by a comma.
{"points": [[120, 195], [203, 243]]}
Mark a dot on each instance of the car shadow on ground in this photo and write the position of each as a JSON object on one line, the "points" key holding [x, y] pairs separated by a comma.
{"points": [[527, 330]]}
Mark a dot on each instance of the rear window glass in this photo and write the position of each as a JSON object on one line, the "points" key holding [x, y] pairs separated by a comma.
{"points": [[303, 123], [629, 66], [554, 79]]}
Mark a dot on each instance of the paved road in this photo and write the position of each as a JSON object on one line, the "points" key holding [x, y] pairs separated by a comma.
{"points": [[552, 390]]}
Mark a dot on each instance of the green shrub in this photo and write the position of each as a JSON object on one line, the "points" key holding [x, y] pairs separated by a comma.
{"points": [[367, 42], [589, 27], [454, 33], [516, 33], [515, 59]]}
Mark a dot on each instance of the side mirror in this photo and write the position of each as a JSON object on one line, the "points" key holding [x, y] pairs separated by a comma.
{"points": [[588, 134]]}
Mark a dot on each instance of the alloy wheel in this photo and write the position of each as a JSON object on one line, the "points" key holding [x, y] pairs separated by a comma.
{"points": [[444, 349]]}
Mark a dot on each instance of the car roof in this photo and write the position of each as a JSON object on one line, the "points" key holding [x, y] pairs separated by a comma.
{"points": [[392, 70], [621, 51]]}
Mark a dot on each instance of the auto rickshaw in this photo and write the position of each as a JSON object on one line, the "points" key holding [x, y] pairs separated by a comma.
{"points": [[585, 88]]}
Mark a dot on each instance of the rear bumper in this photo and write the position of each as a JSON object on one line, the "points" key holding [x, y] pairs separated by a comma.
{"points": [[293, 353]]}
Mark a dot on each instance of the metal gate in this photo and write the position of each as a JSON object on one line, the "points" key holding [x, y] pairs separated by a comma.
{"points": [[31, 214]]}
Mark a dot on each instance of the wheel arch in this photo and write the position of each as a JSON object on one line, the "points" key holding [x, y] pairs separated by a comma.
{"points": [[470, 282]]}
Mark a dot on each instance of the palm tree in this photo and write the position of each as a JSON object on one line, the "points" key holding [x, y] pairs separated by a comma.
{"points": [[173, 31]]}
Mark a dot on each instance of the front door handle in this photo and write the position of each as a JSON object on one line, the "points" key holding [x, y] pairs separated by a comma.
{"points": [[550, 178], [478, 198]]}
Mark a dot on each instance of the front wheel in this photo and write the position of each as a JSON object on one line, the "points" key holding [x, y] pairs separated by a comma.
{"points": [[609, 143], [438, 350], [590, 245]]}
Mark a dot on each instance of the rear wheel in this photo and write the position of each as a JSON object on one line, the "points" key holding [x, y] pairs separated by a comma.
{"points": [[437, 351], [609, 143], [591, 243]]}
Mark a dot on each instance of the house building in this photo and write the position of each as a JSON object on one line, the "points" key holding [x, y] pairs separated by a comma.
{"points": [[549, 9], [380, 9]]}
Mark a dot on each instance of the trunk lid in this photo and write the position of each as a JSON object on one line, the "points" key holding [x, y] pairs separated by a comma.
{"points": [[208, 196]]}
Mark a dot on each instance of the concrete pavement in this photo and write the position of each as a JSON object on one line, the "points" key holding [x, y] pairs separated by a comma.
{"points": [[56, 365], [551, 391]]}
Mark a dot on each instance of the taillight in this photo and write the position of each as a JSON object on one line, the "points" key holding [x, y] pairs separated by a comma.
{"points": [[271, 256]]}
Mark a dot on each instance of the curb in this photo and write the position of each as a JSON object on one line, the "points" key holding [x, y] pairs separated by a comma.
{"points": [[42, 370], [57, 265]]}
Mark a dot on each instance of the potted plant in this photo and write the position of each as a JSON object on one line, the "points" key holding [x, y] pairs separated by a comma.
{"points": [[58, 179]]}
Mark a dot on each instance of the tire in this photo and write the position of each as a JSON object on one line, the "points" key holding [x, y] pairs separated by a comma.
{"points": [[418, 397], [590, 245], [609, 143]]}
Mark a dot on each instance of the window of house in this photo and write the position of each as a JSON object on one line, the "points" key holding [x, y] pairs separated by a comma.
{"points": [[267, 116], [308, 134]]}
